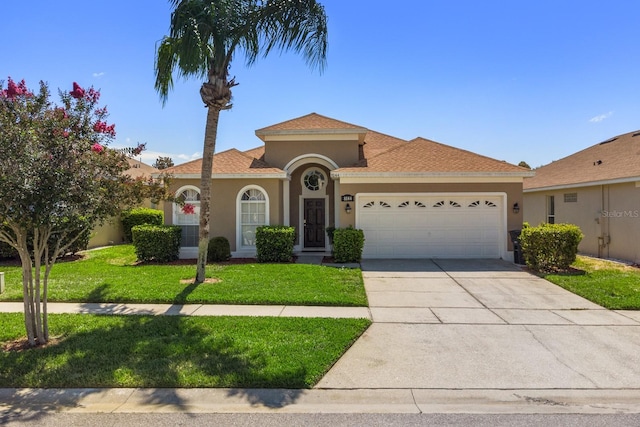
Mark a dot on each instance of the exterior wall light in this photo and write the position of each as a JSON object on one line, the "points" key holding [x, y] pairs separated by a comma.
{"points": [[516, 208], [347, 208]]}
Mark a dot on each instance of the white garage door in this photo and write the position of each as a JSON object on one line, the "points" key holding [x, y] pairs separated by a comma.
{"points": [[432, 225]]}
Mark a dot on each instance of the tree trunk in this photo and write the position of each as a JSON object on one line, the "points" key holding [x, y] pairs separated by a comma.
{"points": [[210, 136]]}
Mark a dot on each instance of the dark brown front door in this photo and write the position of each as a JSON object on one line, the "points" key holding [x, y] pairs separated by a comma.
{"points": [[314, 223]]}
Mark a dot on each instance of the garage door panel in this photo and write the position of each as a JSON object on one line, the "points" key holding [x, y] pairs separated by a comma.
{"points": [[442, 226]]}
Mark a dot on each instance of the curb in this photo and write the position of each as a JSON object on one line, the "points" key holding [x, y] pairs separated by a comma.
{"points": [[378, 401]]}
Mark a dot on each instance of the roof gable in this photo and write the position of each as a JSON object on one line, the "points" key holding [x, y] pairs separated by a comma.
{"points": [[312, 121], [617, 158]]}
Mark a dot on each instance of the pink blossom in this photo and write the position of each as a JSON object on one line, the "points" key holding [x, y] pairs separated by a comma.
{"points": [[77, 91], [97, 148], [102, 127], [92, 95], [188, 209], [139, 149], [13, 90]]}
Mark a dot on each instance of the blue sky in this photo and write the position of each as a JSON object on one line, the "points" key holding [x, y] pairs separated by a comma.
{"points": [[516, 80]]}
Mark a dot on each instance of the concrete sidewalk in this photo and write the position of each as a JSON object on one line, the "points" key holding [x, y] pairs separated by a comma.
{"points": [[197, 310]]}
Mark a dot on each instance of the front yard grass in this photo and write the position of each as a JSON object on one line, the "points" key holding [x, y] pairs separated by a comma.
{"points": [[612, 285], [174, 351], [112, 275]]}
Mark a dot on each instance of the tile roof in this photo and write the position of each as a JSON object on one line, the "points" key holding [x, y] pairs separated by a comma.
{"points": [[382, 154], [376, 143], [616, 158], [227, 162], [138, 169], [311, 121], [423, 155]]}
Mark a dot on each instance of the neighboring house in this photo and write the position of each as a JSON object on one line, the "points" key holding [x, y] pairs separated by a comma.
{"points": [[413, 199], [111, 231], [597, 189]]}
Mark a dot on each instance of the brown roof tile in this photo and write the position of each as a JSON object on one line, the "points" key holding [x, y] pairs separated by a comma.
{"points": [[376, 143], [423, 155], [227, 162], [616, 158]]}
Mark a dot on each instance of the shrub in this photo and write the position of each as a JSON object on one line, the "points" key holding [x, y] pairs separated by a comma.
{"points": [[7, 251], [75, 225], [78, 224], [330, 230], [274, 243], [348, 244], [219, 249], [139, 216], [550, 247], [157, 242]]}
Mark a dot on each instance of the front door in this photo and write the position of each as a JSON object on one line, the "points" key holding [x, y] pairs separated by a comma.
{"points": [[314, 223]]}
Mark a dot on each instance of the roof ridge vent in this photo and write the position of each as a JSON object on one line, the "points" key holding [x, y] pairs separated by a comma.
{"points": [[609, 140]]}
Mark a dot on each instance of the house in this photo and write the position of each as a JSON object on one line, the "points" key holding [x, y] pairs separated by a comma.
{"points": [[413, 199], [110, 232], [597, 189]]}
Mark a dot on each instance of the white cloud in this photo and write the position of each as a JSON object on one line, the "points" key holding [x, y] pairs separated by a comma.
{"points": [[601, 117], [98, 75]]}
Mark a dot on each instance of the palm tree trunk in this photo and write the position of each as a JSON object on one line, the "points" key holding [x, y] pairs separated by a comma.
{"points": [[210, 136]]}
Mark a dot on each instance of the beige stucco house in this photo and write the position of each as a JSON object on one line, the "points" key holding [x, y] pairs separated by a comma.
{"points": [[111, 232], [597, 189], [413, 199]]}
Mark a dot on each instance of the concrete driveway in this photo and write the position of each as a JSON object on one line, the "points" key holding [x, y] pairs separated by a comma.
{"points": [[484, 324]]}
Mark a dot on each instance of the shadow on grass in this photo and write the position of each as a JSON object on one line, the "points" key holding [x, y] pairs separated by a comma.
{"points": [[181, 298], [565, 273], [141, 352]]}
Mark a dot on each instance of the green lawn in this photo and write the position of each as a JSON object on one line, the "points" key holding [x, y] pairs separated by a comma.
{"points": [[169, 351], [111, 275], [612, 285]]}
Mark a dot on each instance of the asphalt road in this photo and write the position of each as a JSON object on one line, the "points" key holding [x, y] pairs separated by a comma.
{"points": [[329, 420]]}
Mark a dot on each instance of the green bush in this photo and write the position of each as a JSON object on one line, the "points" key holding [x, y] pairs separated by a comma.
{"points": [[7, 251], [219, 249], [550, 247], [156, 242], [139, 216], [274, 243], [348, 244], [75, 225]]}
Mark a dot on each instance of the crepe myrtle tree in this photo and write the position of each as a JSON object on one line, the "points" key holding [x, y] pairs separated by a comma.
{"points": [[205, 35], [58, 178]]}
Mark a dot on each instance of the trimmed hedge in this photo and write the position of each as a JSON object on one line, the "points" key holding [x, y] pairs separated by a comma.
{"points": [[139, 216], [219, 249], [274, 243], [348, 244], [550, 247], [159, 243]]}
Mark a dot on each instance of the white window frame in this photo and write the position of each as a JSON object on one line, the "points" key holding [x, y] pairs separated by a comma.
{"points": [[240, 244], [177, 209]]}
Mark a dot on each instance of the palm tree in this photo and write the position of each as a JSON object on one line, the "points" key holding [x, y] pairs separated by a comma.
{"points": [[203, 37]]}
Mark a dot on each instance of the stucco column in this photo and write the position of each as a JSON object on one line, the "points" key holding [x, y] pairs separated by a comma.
{"points": [[285, 202]]}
